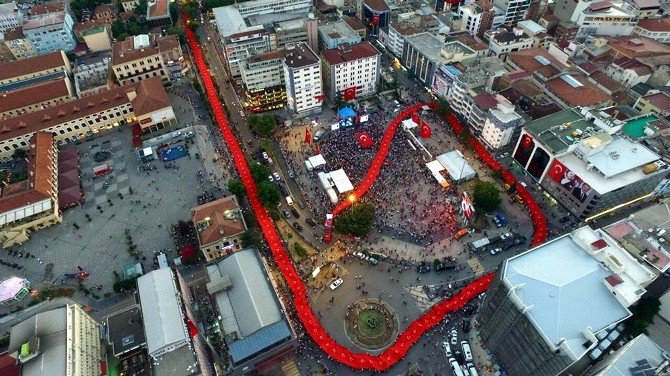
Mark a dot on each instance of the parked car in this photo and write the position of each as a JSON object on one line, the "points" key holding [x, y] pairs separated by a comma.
{"points": [[265, 156], [506, 235], [287, 214], [297, 226], [447, 349], [270, 178], [336, 283], [276, 176], [310, 222], [454, 337], [295, 213], [422, 269]]}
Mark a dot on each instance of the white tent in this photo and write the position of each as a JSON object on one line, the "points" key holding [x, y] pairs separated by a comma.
{"points": [[341, 181], [436, 168], [317, 161], [409, 124], [327, 185], [457, 166]]}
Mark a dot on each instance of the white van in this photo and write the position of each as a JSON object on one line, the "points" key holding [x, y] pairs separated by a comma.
{"points": [[472, 369], [455, 368], [467, 353], [289, 200]]}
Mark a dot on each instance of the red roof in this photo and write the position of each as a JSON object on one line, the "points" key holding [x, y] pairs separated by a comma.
{"points": [[350, 53], [33, 95], [30, 65], [377, 5], [657, 24], [586, 95], [659, 100], [8, 366]]}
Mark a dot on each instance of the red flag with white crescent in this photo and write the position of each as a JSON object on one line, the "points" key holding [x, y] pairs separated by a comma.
{"points": [[365, 140], [319, 97], [349, 93], [308, 136], [426, 131], [317, 150], [466, 206], [557, 171]]}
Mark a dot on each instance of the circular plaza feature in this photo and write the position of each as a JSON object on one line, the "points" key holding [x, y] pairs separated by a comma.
{"points": [[371, 324]]}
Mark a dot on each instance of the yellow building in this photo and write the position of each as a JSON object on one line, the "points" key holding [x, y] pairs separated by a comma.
{"points": [[18, 45], [48, 66], [63, 341], [219, 225], [657, 103], [96, 34], [31, 204], [34, 98], [137, 58]]}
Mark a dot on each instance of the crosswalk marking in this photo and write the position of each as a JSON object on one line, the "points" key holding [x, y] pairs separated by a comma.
{"points": [[476, 266]]}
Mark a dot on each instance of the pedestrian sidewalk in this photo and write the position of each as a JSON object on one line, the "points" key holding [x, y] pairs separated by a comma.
{"points": [[482, 358]]}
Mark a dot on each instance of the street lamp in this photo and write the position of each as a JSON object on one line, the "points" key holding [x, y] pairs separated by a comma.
{"points": [[352, 201]]}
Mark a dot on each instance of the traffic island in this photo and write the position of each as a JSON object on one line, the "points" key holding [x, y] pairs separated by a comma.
{"points": [[371, 324]]}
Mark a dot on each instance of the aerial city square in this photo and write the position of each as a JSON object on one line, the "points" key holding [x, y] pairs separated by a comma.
{"points": [[330, 187]]}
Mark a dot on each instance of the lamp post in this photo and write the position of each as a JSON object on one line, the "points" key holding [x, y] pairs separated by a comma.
{"points": [[352, 201]]}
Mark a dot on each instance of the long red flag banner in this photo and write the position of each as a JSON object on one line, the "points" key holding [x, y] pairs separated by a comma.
{"points": [[411, 334]]}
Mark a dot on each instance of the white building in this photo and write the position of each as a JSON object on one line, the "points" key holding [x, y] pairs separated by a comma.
{"points": [[396, 38], [302, 74], [257, 7], [346, 67], [629, 72], [502, 42], [513, 11], [425, 53], [603, 18], [500, 124], [239, 46], [471, 18], [10, 17]]}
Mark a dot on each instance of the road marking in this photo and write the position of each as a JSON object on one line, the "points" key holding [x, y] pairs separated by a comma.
{"points": [[476, 266]]}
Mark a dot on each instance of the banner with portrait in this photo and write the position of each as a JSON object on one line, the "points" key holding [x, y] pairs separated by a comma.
{"points": [[569, 181]]}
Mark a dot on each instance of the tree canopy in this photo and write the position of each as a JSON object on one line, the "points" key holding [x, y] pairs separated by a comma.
{"points": [[263, 125], [237, 188], [643, 315], [259, 172], [356, 222], [77, 6], [268, 194], [486, 196]]}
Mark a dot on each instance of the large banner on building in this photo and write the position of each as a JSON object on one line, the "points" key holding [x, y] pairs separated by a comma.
{"points": [[569, 181], [440, 86]]}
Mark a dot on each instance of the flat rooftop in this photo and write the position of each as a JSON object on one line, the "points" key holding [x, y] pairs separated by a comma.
{"points": [[338, 30], [555, 131], [562, 287], [229, 20], [125, 331], [437, 50], [300, 56], [179, 362]]}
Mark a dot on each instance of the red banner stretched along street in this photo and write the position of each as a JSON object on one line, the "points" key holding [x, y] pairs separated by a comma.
{"points": [[426, 131], [365, 140], [308, 136], [350, 93]]}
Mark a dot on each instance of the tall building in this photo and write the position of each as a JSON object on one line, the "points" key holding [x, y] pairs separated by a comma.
{"points": [[640, 356], [610, 18], [257, 7], [376, 15], [582, 160], [49, 27], [10, 16], [502, 41], [63, 341], [351, 67], [396, 37], [259, 39], [18, 45], [424, 53], [336, 33], [500, 124], [513, 11], [552, 306], [31, 204], [138, 58], [263, 81], [656, 29], [302, 75]]}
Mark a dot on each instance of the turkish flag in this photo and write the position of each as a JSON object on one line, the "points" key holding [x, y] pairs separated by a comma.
{"points": [[308, 136], [319, 97], [350, 93], [415, 117], [317, 150], [426, 132], [375, 20], [365, 140], [527, 141], [192, 329], [557, 171]]}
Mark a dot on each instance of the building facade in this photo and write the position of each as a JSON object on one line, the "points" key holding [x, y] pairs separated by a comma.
{"points": [[351, 66], [302, 75], [500, 124], [258, 39], [92, 74], [263, 80], [138, 58], [657, 29], [36, 97], [502, 42], [334, 34], [513, 11], [395, 40], [29, 71], [10, 17], [219, 225], [50, 30], [257, 7], [603, 18], [424, 53], [18, 45]]}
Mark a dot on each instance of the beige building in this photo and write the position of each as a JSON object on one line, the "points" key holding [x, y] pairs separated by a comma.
{"points": [[63, 341], [219, 225], [15, 73], [36, 97], [170, 49], [18, 45], [129, 5], [95, 34], [145, 102], [31, 204], [138, 58], [656, 103]]}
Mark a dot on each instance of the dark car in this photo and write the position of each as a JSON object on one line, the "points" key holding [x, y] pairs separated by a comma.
{"points": [[310, 222], [564, 219], [422, 269], [283, 189], [287, 214], [297, 226], [295, 213], [466, 324]]}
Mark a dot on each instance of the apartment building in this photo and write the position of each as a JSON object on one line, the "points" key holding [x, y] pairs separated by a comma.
{"points": [[603, 18], [351, 66], [292, 32], [158, 13], [477, 17], [629, 72], [145, 102], [503, 41], [129, 5], [396, 36], [138, 58], [18, 45], [36, 97], [655, 102], [336, 33], [95, 34], [219, 225], [500, 124], [258, 39], [15, 74], [49, 27], [258, 7], [62, 341], [32, 204], [657, 29], [424, 53], [91, 73], [302, 76], [512, 11], [263, 81], [170, 50], [10, 16]]}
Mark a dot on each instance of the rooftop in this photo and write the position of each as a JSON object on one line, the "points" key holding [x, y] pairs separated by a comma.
{"points": [[377, 5], [437, 50], [660, 100], [344, 54], [13, 33], [637, 46], [575, 90], [158, 9], [50, 19], [32, 95], [555, 131], [151, 96], [639, 354], [11, 287], [125, 331], [338, 30], [655, 24], [31, 65], [134, 48], [229, 20], [562, 288], [535, 59], [218, 219], [161, 310], [300, 56], [46, 8]]}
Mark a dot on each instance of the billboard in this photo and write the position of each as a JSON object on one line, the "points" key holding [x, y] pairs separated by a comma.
{"points": [[525, 148], [569, 181]]}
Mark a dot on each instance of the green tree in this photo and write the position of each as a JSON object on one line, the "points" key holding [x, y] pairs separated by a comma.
{"points": [[643, 315], [251, 238], [237, 188], [358, 222], [486, 196], [299, 250], [259, 172], [77, 6], [268, 194], [263, 125], [124, 284], [339, 100], [443, 107], [20, 153], [141, 8]]}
